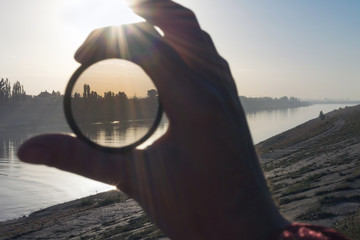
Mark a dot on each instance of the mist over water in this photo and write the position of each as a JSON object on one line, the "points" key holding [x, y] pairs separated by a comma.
{"points": [[26, 188]]}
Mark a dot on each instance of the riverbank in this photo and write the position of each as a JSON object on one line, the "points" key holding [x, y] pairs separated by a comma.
{"points": [[108, 215], [313, 172]]}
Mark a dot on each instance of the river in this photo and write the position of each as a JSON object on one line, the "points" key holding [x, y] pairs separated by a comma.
{"points": [[26, 188]]}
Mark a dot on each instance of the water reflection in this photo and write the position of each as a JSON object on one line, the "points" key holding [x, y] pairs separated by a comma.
{"points": [[8, 145], [26, 188], [116, 134]]}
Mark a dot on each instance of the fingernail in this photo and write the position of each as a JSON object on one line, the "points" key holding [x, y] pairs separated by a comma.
{"points": [[33, 154]]}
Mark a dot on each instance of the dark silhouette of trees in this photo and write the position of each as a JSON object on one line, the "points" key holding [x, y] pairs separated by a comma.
{"points": [[18, 93], [111, 107], [152, 93], [267, 103], [15, 95], [77, 96], [5, 90], [109, 95], [56, 94], [86, 92]]}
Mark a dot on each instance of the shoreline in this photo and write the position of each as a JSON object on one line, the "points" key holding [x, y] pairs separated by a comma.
{"points": [[313, 171], [107, 215]]}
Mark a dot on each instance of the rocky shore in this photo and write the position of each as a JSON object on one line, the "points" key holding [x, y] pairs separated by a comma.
{"points": [[108, 215], [312, 170]]}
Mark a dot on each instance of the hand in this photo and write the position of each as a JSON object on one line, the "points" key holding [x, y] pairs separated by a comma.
{"points": [[202, 179]]}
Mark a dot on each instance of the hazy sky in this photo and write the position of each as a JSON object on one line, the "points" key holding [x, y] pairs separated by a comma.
{"points": [[301, 48]]}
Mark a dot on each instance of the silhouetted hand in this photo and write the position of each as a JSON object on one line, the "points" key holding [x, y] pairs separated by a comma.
{"points": [[202, 179]]}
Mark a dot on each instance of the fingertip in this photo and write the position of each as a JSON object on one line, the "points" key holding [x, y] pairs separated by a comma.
{"points": [[31, 153], [36, 150]]}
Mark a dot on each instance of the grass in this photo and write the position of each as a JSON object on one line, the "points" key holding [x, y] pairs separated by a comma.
{"points": [[287, 200], [350, 226], [344, 159], [114, 197], [350, 129], [297, 188], [111, 198], [86, 202], [303, 185], [275, 187], [147, 230], [332, 150], [150, 233], [341, 186], [303, 170], [315, 213], [338, 199], [296, 135], [295, 157], [356, 172]]}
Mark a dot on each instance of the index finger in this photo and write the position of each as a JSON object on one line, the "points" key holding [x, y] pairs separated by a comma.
{"points": [[183, 32], [179, 24]]}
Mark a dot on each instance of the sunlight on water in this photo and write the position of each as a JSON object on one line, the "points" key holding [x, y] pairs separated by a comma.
{"points": [[116, 138], [117, 135]]}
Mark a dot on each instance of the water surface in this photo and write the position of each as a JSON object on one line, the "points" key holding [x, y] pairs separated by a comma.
{"points": [[26, 188]]}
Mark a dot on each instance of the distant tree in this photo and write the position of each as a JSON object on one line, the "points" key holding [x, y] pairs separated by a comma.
{"points": [[93, 95], [55, 94], [322, 116], [86, 92], [18, 93], [2, 90], [5, 90], [152, 93], [77, 95], [122, 95], [108, 95], [265, 103]]}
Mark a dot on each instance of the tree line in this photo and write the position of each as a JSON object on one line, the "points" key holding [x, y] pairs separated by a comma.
{"points": [[14, 94], [268, 103], [90, 107]]}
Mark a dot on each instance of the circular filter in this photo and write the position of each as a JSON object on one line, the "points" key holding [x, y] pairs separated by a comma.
{"points": [[112, 104]]}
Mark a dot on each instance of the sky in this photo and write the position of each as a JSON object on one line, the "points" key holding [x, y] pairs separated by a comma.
{"points": [[104, 77], [303, 48]]}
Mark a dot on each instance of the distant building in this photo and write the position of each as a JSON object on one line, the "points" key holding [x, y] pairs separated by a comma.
{"points": [[48, 97]]}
